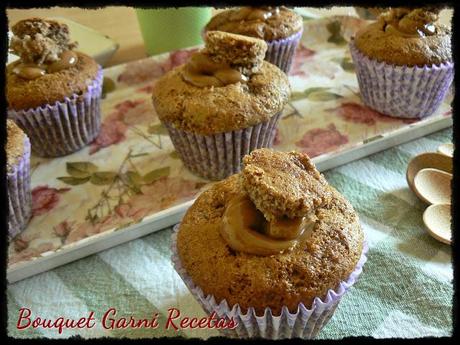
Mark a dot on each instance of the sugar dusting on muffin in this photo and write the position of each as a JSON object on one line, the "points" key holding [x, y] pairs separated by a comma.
{"points": [[40, 41]]}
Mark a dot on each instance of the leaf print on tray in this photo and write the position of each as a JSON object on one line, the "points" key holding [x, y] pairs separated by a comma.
{"points": [[316, 94], [346, 63], [335, 29], [317, 141]]}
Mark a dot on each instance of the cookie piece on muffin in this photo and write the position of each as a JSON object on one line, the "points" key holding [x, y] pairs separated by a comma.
{"points": [[283, 184]]}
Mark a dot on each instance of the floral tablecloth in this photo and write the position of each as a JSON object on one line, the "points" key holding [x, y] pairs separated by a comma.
{"points": [[405, 289]]}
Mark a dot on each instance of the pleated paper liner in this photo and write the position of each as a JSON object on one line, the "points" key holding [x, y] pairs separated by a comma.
{"points": [[305, 323], [19, 193], [217, 156], [281, 52], [63, 127], [401, 91]]}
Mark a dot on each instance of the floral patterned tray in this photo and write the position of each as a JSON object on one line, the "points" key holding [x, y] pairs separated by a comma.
{"points": [[129, 181]]}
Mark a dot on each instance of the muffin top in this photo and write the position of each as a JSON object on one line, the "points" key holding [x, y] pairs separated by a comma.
{"points": [[230, 250], [48, 70], [267, 23], [14, 144], [403, 36], [224, 87]]}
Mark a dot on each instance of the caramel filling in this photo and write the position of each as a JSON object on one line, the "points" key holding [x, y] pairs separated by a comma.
{"points": [[202, 71], [33, 71], [245, 229]]}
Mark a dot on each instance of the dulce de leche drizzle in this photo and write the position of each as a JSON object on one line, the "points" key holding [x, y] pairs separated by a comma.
{"points": [[409, 23], [202, 71], [245, 229], [33, 71]]}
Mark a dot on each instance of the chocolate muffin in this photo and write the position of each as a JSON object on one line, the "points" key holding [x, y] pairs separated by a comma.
{"points": [[53, 92], [404, 62], [222, 104], [272, 240], [18, 179], [280, 27]]}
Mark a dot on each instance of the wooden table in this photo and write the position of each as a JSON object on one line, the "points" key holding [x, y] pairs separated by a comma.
{"points": [[120, 23]]}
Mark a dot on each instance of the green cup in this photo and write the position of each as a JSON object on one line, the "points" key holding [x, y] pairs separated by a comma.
{"points": [[172, 28]]}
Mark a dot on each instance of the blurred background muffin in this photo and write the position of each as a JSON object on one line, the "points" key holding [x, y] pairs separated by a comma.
{"points": [[281, 28], [53, 92], [222, 104], [18, 179], [404, 62], [274, 247]]}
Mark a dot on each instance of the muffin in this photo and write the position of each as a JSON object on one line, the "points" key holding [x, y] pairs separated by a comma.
{"points": [[222, 104], [280, 27], [403, 62], [53, 92], [274, 247], [18, 178]]}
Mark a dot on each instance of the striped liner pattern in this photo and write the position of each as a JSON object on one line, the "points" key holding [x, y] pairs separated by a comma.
{"points": [[281, 52], [19, 193], [218, 156], [401, 91]]}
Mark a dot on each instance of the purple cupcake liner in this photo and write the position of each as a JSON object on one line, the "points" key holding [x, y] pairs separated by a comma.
{"points": [[305, 323], [19, 193], [218, 156], [63, 127], [401, 91], [281, 52]]}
